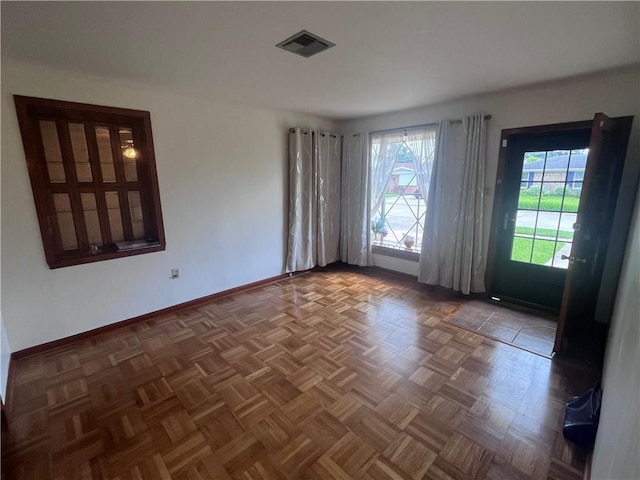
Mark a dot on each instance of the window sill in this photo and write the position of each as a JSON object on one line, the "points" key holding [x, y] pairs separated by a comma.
{"points": [[396, 253], [108, 253]]}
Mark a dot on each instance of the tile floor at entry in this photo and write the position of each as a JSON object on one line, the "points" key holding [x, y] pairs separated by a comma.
{"points": [[331, 374], [535, 332]]}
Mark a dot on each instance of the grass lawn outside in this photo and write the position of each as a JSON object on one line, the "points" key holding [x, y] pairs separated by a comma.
{"points": [[550, 203], [543, 250], [544, 232]]}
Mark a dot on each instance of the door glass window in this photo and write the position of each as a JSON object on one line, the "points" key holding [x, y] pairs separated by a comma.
{"points": [[547, 206]]}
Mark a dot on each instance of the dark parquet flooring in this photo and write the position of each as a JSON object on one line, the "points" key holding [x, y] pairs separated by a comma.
{"points": [[340, 373]]}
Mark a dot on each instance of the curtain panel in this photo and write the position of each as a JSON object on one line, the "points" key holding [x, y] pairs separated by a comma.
{"points": [[328, 199], [355, 247], [452, 244], [302, 244], [328, 180], [422, 144]]}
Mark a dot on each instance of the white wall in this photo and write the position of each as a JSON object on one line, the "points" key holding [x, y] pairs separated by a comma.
{"points": [[5, 349], [615, 455], [222, 172], [5, 354], [615, 94]]}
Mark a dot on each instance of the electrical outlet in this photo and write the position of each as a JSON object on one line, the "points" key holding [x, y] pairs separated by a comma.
{"points": [[175, 273]]}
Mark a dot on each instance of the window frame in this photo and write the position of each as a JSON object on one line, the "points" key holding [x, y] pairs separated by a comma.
{"points": [[30, 112], [411, 255]]}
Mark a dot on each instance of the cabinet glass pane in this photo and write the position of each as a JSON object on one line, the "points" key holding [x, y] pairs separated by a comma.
{"points": [[52, 152], [80, 152], [91, 218], [64, 214], [115, 219], [137, 223], [129, 155], [103, 137]]}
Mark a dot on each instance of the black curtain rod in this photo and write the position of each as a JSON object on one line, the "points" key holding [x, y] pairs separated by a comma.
{"points": [[434, 124], [486, 117], [401, 129], [305, 132]]}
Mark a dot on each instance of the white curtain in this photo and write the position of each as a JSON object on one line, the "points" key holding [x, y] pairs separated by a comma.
{"points": [[301, 251], [328, 153], [314, 199], [452, 244], [355, 247]]}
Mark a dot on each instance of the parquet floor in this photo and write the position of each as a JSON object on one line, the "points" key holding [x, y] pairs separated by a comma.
{"points": [[332, 374]]}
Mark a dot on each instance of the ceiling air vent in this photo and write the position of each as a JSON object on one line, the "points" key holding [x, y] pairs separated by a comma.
{"points": [[305, 44]]}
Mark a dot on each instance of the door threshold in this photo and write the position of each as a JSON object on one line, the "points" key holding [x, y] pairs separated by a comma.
{"points": [[516, 304], [517, 327]]}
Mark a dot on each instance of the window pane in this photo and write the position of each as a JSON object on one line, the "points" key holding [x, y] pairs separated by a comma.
{"points": [[547, 225], [532, 167], [521, 250], [556, 166], [91, 218], [52, 153], [135, 208], [526, 222], [401, 163], [129, 154], [115, 218], [562, 249], [565, 231], [80, 152], [551, 183], [578, 161], [105, 155], [529, 197], [64, 214], [551, 197], [543, 251], [572, 193]]}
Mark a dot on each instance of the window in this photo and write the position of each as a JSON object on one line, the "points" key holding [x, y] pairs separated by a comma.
{"points": [[547, 208], [527, 179], [94, 180], [401, 162], [575, 179]]}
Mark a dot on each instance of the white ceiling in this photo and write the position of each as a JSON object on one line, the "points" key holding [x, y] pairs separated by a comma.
{"points": [[389, 55]]}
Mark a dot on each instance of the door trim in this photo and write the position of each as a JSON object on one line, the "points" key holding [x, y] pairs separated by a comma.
{"points": [[619, 129], [498, 197]]}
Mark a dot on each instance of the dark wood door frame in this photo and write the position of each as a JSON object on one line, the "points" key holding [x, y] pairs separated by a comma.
{"points": [[498, 198], [621, 206], [607, 158]]}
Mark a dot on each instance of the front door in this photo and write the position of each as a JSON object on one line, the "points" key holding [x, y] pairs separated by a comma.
{"points": [[593, 230], [541, 188], [553, 219]]}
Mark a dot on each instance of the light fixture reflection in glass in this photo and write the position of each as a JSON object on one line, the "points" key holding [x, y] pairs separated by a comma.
{"points": [[128, 150]]}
